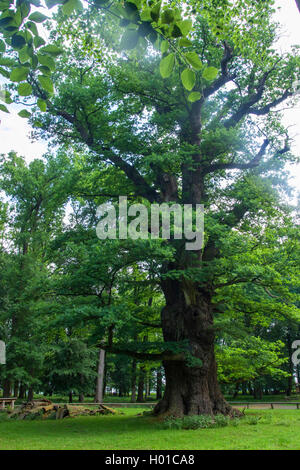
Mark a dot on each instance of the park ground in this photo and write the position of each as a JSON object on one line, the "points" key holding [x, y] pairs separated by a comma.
{"points": [[259, 429]]}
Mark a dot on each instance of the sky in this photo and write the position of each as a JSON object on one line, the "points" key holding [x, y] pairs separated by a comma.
{"points": [[15, 131]]}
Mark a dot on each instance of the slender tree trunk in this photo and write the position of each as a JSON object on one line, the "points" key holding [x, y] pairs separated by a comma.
{"points": [[141, 385], [257, 392], [191, 385], [70, 397], [22, 391], [100, 377], [159, 384], [81, 398], [236, 391], [16, 389], [7, 388], [147, 388], [133, 381], [30, 394]]}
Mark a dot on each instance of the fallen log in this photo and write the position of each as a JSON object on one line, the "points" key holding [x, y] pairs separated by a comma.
{"points": [[45, 409]]}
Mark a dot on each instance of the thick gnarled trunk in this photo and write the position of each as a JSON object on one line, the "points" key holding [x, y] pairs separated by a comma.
{"points": [[191, 385]]}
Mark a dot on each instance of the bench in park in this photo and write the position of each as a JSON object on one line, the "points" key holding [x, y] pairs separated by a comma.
{"points": [[9, 401]]}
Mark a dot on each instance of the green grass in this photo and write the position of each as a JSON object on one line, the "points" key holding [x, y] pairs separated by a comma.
{"points": [[275, 429]]}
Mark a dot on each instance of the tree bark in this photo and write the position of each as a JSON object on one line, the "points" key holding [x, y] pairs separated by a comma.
{"points": [[16, 389], [141, 385], [100, 377], [133, 381], [22, 391], [81, 398], [191, 386], [30, 394], [159, 384], [7, 388]]}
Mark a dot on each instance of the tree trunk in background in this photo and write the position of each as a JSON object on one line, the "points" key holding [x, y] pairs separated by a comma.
{"points": [[191, 388], [7, 388], [22, 391], [30, 394], [236, 390], [147, 388], [70, 397], [133, 381], [100, 377], [16, 389], [159, 384], [257, 392], [81, 398], [141, 382]]}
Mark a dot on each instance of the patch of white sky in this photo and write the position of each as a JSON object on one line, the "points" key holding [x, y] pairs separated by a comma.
{"points": [[15, 131]]}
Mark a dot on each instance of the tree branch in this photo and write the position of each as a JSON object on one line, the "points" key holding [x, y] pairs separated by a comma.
{"points": [[225, 77], [250, 100], [240, 166], [143, 356], [266, 109]]}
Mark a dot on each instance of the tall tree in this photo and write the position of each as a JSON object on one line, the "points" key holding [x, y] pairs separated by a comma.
{"points": [[212, 137]]}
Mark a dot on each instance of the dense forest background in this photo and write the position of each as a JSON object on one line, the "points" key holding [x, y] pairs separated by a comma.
{"points": [[131, 111]]}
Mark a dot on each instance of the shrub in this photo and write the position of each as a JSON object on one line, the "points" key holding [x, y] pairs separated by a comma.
{"points": [[253, 420], [196, 422]]}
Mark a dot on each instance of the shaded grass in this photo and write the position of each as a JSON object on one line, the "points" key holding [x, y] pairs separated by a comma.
{"points": [[268, 429]]}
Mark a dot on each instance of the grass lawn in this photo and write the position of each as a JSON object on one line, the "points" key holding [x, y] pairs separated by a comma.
{"points": [[276, 429]]}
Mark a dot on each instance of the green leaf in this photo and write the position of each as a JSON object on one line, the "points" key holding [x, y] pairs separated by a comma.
{"points": [[70, 6], [164, 47], [176, 32], [129, 39], [45, 70], [24, 89], [19, 74], [18, 41], [47, 61], [3, 108], [38, 17], [193, 60], [46, 83], [24, 113], [167, 16], [42, 105], [38, 42], [188, 78], [185, 26], [2, 46], [146, 14], [184, 42], [210, 73], [194, 96], [33, 28], [52, 50], [155, 11], [23, 55], [166, 65], [5, 96], [52, 3]]}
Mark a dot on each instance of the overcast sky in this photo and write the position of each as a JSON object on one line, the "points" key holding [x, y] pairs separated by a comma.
{"points": [[15, 131]]}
